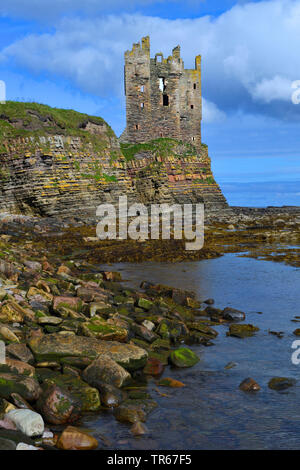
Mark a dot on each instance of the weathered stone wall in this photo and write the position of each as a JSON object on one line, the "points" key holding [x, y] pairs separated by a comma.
{"points": [[163, 99]]}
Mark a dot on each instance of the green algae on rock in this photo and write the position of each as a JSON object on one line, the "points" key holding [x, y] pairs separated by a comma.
{"points": [[281, 383], [55, 347], [183, 357], [242, 331]]}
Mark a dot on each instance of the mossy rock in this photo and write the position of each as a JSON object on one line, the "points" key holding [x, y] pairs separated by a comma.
{"points": [[132, 411], [202, 328], [145, 303], [88, 396], [174, 330], [55, 347], [44, 373], [242, 331], [281, 383], [27, 387], [102, 330], [162, 355], [183, 357], [141, 343], [161, 344]]}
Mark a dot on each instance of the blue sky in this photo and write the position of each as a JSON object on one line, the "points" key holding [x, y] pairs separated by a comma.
{"points": [[69, 53]]}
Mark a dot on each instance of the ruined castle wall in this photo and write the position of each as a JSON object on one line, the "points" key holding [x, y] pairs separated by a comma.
{"points": [[163, 99]]}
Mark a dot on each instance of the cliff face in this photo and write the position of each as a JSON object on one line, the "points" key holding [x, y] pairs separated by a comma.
{"points": [[62, 163]]}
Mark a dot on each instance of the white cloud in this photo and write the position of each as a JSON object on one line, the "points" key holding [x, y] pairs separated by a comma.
{"points": [[211, 113], [276, 88], [250, 53]]}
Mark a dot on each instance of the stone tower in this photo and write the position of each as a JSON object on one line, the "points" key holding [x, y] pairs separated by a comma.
{"points": [[163, 99]]}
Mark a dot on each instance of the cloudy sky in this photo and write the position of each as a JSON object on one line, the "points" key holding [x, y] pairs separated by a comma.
{"points": [[69, 53]]}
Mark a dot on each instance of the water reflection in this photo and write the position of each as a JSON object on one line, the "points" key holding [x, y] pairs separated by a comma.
{"points": [[211, 412]]}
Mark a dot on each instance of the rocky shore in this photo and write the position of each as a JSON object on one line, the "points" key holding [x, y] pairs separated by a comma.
{"points": [[78, 340]]}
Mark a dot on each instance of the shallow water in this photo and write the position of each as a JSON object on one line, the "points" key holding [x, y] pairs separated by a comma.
{"points": [[211, 412]]}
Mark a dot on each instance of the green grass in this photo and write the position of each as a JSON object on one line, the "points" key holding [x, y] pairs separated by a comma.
{"points": [[36, 120], [163, 147]]}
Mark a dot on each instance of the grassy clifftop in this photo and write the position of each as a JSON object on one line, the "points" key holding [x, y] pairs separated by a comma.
{"points": [[21, 119], [18, 119]]}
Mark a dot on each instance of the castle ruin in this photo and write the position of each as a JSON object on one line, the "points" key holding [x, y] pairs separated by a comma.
{"points": [[163, 99]]}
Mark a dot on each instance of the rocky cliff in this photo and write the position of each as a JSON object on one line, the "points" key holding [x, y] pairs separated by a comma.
{"points": [[57, 162]]}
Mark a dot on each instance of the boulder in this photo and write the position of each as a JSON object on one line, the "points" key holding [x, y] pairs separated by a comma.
{"points": [[39, 295], [27, 421], [75, 439], [49, 320], [58, 406], [88, 396], [55, 347], [242, 331], [144, 332], [99, 328], [153, 367], [33, 265], [73, 303], [231, 314], [8, 334], [12, 312], [183, 357], [111, 396], [17, 367], [133, 411], [146, 304], [106, 370], [281, 383], [249, 385], [20, 352], [27, 387]]}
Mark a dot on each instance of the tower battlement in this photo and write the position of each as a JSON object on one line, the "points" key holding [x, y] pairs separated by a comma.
{"points": [[163, 99]]}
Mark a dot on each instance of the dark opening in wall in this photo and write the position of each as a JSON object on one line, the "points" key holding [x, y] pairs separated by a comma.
{"points": [[137, 127], [195, 86], [165, 100], [162, 84], [192, 106]]}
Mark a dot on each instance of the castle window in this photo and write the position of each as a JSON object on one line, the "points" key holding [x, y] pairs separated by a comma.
{"points": [[142, 105], [165, 100], [192, 106], [142, 89], [137, 127], [162, 84], [193, 139], [195, 86]]}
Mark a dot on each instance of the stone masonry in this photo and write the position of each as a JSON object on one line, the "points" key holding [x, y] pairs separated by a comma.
{"points": [[163, 99]]}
